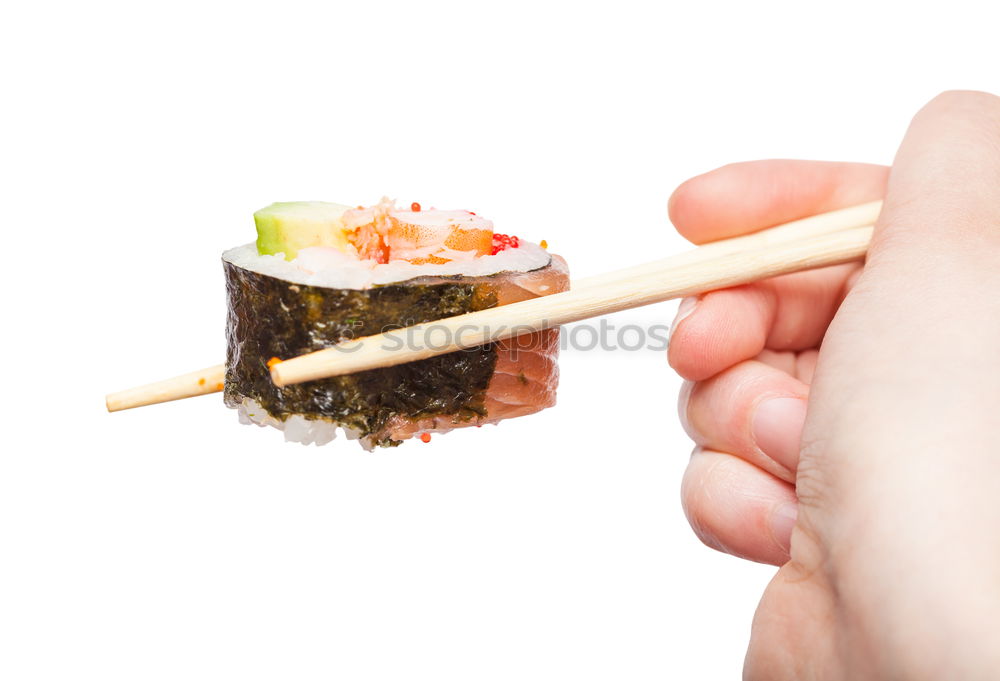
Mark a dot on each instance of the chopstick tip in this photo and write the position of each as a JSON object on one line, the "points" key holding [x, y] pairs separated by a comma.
{"points": [[276, 377]]}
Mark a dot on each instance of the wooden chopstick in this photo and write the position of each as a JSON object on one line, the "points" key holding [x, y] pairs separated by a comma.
{"points": [[196, 383], [861, 215], [817, 241], [627, 289]]}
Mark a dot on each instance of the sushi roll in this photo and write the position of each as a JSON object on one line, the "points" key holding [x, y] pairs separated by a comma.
{"points": [[321, 273]]}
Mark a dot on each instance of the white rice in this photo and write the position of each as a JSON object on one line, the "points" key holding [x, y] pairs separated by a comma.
{"points": [[330, 268], [297, 428]]}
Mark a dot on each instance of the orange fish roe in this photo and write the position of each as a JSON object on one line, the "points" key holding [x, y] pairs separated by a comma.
{"points": [[201, 381], [544, 243], [425, 437], [274, 360], [218, 386], [415, 207]]}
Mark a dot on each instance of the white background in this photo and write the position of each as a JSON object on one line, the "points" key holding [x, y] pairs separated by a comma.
{"points": [[170, 542]]}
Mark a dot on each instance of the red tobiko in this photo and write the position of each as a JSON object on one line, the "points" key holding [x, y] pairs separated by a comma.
{"points": [[501, 242]]}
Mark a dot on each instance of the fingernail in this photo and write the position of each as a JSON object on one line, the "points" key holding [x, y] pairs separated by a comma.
{"points": [[684, 310], [782, 521], [777, 429]]}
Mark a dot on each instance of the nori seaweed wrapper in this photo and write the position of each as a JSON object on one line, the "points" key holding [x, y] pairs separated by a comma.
{"points": [[269, 317]]}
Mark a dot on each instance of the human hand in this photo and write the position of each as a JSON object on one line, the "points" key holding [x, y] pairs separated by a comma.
{"points": [[867, 467]]}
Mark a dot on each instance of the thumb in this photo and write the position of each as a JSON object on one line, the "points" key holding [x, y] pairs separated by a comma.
{"points": [[943, 197], [902, 407]]}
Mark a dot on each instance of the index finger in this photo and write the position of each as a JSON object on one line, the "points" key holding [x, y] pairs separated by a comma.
{"points": [[746, 197]]}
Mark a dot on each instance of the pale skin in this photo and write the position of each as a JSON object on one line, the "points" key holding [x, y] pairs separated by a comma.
{"points": [[875, 483]]}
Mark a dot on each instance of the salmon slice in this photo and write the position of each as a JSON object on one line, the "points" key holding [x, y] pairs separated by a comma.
{"points": [[451, 230], [526, 374], [383, 233]]}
